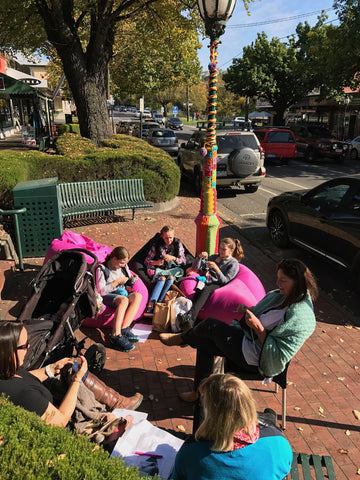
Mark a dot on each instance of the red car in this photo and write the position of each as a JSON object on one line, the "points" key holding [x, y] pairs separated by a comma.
{"points": [[279, 143]]}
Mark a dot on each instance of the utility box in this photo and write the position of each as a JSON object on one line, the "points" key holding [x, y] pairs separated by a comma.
{"points": [[42, 221]]}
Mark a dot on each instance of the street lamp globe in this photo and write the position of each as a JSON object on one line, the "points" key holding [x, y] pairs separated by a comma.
{"points": [[215, 14]]}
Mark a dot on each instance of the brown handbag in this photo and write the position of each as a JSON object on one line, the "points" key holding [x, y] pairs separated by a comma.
{"points": [[161, 319]]}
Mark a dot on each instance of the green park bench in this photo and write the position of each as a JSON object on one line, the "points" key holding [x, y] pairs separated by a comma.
{"points": [[80, 198], [310, 467]]}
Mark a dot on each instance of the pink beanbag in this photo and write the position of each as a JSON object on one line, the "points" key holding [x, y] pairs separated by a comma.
{"points": [[70, 240], [245, 288]]}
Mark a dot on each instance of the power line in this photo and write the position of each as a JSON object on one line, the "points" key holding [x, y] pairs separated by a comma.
{"points": [[279, 20], [281, 38]]}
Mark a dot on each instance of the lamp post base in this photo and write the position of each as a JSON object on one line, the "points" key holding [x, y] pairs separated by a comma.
{"points": [[207, 233]]}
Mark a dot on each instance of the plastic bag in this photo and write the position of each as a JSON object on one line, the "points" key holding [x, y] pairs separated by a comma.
{"points": [[179, 305]]}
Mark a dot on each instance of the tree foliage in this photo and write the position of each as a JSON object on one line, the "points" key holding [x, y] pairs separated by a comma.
{"points": [[272, 69]]}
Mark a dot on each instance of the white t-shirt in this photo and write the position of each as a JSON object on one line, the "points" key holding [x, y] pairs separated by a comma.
{"points": [[269, 320]]}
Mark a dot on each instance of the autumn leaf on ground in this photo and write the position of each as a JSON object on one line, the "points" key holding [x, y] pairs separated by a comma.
{"points": [[343, 451], [181, 428], [321, 410], [341, 340], [297, 408], [348, 433], [300, 429], [341, 379], [356, 414], [348, 326], [331, 355]]}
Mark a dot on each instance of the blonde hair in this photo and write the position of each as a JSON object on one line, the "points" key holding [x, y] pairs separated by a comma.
{"points": [[228, 407], [235, 245]]}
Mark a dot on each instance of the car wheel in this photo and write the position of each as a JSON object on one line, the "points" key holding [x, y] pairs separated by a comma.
{"points": [[198, 181], [278, 229], [310, 155], [354, 154], [251, 188]]}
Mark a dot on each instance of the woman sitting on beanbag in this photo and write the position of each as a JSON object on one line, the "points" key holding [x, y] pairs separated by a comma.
{"points": [[114, 282], [164, 264], [220, 269]]}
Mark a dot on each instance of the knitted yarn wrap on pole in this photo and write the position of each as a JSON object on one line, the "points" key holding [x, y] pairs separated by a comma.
{"points": [[208, 221]]}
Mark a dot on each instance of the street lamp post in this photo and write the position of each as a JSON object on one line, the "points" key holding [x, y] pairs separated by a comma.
{"points": [[346, 103], [215, 15]]}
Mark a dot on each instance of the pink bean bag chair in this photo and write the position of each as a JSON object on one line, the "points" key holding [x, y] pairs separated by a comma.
{"points": [[245, 288], [74, 240]]}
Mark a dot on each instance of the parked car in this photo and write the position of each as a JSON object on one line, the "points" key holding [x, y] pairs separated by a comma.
{"points": [[174, 122], [278, 143], [158, 117], [147, 126], [123, 108], [315, 141], [165, 139], [324, 220], [240, 159], [354, 147]]}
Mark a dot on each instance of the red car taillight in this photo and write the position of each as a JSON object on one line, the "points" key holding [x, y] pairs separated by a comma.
{"points": [[176, 141]]}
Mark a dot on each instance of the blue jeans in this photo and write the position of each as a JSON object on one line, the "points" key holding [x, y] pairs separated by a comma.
{"points": [[161, 287]]}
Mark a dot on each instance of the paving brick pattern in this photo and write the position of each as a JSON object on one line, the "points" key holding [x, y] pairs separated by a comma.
{"points": [[323, 378]]}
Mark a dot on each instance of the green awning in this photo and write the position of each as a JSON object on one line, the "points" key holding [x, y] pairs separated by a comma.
{"points": [[10, 86]]}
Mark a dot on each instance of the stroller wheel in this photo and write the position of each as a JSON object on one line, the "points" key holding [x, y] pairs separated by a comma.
{"points": [[96, 356]]}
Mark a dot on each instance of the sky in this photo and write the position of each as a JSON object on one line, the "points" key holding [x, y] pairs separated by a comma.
{"points": [[282, 16]]}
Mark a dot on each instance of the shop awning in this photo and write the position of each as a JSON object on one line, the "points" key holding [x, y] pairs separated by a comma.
{"points": [[10, 86]]}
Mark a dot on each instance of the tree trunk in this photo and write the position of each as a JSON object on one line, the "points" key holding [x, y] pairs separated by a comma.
{"points": [[90, 95], [86, 70]]}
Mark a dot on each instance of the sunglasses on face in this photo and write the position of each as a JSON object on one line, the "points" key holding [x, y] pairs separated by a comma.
{"points": [[24, 347]]}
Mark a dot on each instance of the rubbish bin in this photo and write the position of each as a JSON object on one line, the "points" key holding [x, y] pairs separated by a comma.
{"points": [[68, 118], [42, 221]]}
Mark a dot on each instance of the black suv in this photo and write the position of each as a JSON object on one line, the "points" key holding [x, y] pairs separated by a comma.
{"points": [[240, 159], [315, 141]]}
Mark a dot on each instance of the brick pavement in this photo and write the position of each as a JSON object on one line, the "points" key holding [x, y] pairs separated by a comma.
{"points": [[323, 378]]}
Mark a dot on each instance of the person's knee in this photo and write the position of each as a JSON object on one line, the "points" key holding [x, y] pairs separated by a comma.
{"points": [[135, 296], [121, 301]]}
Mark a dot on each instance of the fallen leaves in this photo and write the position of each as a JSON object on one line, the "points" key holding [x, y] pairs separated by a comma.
{"points": [[343, 451], [321, 411], [356, 414], [348, 433], [181, 428]]}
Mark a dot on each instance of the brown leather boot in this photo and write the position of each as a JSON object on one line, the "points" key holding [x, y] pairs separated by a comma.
{"points": [[109, 396]]}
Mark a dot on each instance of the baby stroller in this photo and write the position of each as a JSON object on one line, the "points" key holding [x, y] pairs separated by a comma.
{"points": [[63, 294]]}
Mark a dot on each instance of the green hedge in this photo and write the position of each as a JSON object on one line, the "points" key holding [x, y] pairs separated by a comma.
{"points": [[78, 159], [32, 450]]}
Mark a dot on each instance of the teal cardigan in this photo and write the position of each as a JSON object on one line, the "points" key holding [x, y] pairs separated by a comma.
{"points": [[282, 343]]}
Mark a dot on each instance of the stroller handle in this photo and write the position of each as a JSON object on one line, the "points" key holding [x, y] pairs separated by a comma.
{"points": [[87, 252]]}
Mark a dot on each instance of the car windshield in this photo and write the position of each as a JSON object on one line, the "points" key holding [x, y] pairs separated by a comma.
{"points": [[280, 137], [228, 143], [163, 133], [320, 132], [175, 120]]}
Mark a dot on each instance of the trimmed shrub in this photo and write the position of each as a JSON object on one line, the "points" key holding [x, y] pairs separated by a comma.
{"points": [[79, 160], [74, 145], [32, 450]]}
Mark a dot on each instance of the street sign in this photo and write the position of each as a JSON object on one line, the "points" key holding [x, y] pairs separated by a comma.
{"points": [[175, 110], [141, 105]]}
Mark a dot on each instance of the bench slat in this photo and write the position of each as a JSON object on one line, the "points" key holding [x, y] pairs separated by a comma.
{"points": [[311, 464]]}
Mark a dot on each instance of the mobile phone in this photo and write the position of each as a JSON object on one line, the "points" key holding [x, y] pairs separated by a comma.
{"points": [[76, 367]]}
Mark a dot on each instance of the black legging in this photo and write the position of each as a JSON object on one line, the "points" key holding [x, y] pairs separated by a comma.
{"points": [[200, 298], [213, 337]]}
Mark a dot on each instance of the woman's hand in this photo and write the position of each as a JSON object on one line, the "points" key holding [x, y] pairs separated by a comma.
{"points": [[203, 255], [214, 266], [242, 308], [60, 364], [120, 281], [254, 323], [170, 258]]}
